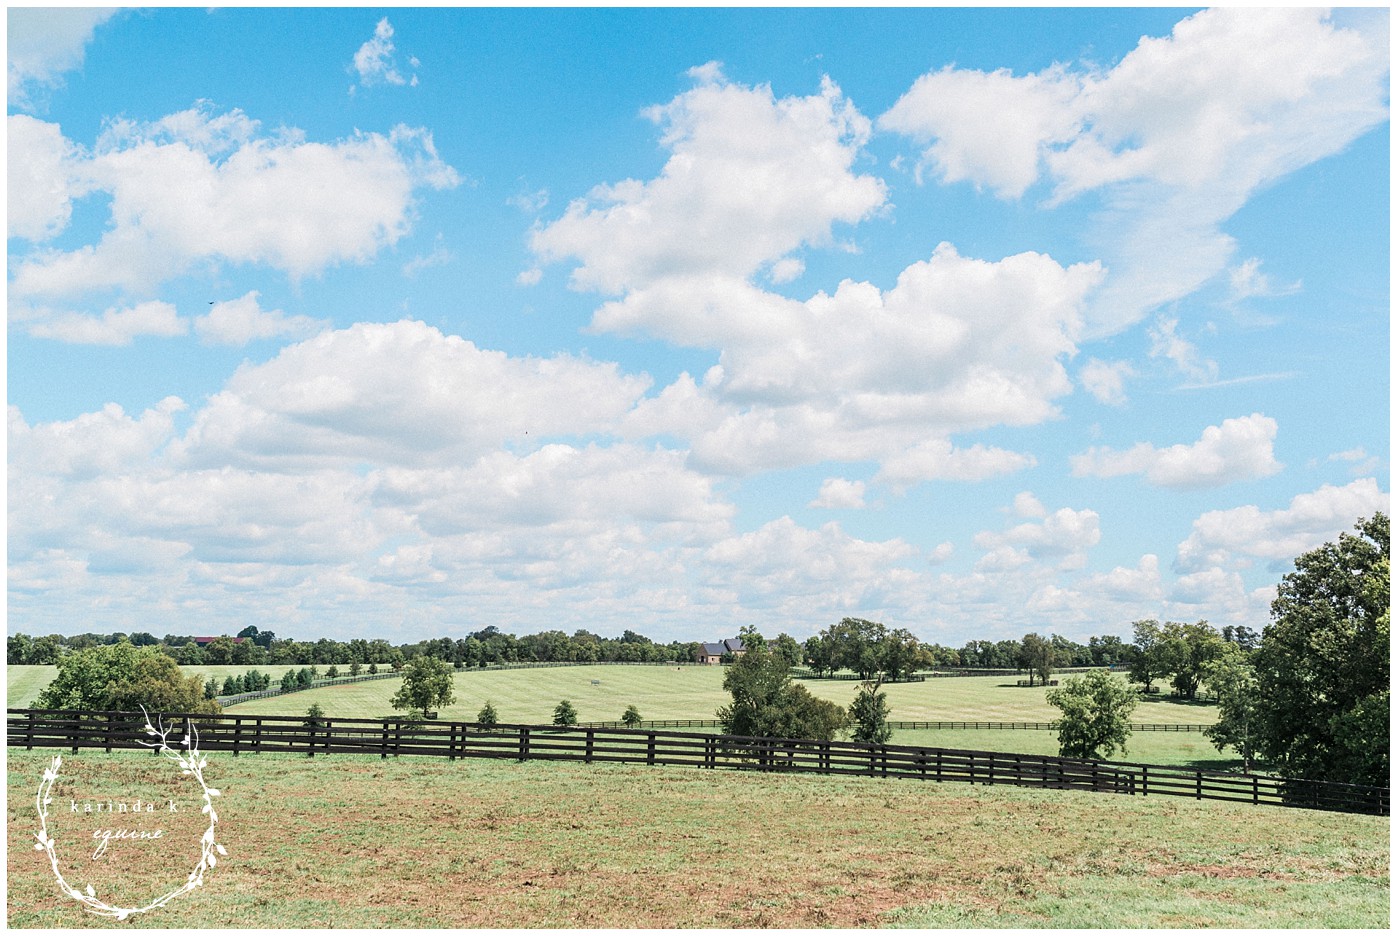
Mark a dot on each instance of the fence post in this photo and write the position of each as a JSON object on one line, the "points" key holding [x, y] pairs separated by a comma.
{"points": [[111, 727], [237, 733], [650, 748], [1144, 781], [991, 777], [383, 750], [29, 731], [523, 743], [590, 737], [938, 766], [1255, 791], [1198, 774]]}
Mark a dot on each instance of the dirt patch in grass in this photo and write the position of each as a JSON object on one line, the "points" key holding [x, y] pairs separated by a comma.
{"points": [[419, 842]]}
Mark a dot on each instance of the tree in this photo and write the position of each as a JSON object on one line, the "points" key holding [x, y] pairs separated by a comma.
{"points": [[121, 677], [1148, 665], [314, 714], [631, 717], [786, 646], [289, 681], [819, 655], [766, 703], [869, 714], [1183, 650], [487, 714], [1096, 711], [426, 684], [211, 687], [332, 673], [1323, 667], [355, 668], [564, 714], [1037, 656], [1232, 679]]}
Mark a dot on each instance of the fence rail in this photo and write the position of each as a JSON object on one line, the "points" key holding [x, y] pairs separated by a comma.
{"points": [[32, 728], [897, 725]]}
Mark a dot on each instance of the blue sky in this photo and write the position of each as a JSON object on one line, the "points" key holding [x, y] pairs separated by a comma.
{"points": [[405, 322]]}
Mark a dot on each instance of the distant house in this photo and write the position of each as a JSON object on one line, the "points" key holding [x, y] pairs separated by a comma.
{"points": [[712, 653], [205, 641]]}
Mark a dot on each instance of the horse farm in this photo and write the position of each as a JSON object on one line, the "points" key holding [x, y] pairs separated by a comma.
{"points": [[375, 839]]}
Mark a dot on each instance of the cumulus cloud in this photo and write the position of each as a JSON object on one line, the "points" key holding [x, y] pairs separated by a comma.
{"points": [[240, 321], [1176, 136], [839, 494], [115, 326], [403, 394], [198, 187], [1239, 449], [991, 129], [1226, 538], [40, 157], [957, 344], [1063, 536], [45, 43], [376, 64], [749, 179]]}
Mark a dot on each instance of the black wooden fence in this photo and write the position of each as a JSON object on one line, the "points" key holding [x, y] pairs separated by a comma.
{"points": [[897, 725], [31, 728]]}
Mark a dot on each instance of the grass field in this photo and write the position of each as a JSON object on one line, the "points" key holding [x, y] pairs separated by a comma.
{"points": [[349, 841], [529, 695], [24, 683]]}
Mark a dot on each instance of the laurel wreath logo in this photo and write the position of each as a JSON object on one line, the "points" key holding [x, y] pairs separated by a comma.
{"points": [[191, 763]]}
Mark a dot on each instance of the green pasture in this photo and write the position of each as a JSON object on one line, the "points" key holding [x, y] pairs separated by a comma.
{"points": [[24, 683], [602, 693], [356, 841]]}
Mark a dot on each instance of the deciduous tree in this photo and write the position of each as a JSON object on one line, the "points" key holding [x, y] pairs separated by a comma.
{"points": [[1324, 664], [426, 685], [1096, 711], [869, 714]]}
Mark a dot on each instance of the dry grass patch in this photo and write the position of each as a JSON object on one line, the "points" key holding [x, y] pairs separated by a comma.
{"points": [[353, 841]]}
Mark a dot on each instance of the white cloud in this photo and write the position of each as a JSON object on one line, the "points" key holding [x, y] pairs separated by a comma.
{"points": [[991, 129], [958, 344], [1239, 449], [1246, 281], [938, 460], [440, 256], [240, 321], [839, 494], [787, 270], [43, 44], [40, 202], [1165, 342], [293, 205], [115, 326], [1223, 538], [1140, 586], [1063, 536], [749, 179], [1105, 380], [402, 394], [941, 552], [1359, 461], [1177, 135], [1026, 505], [375, 63]]}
